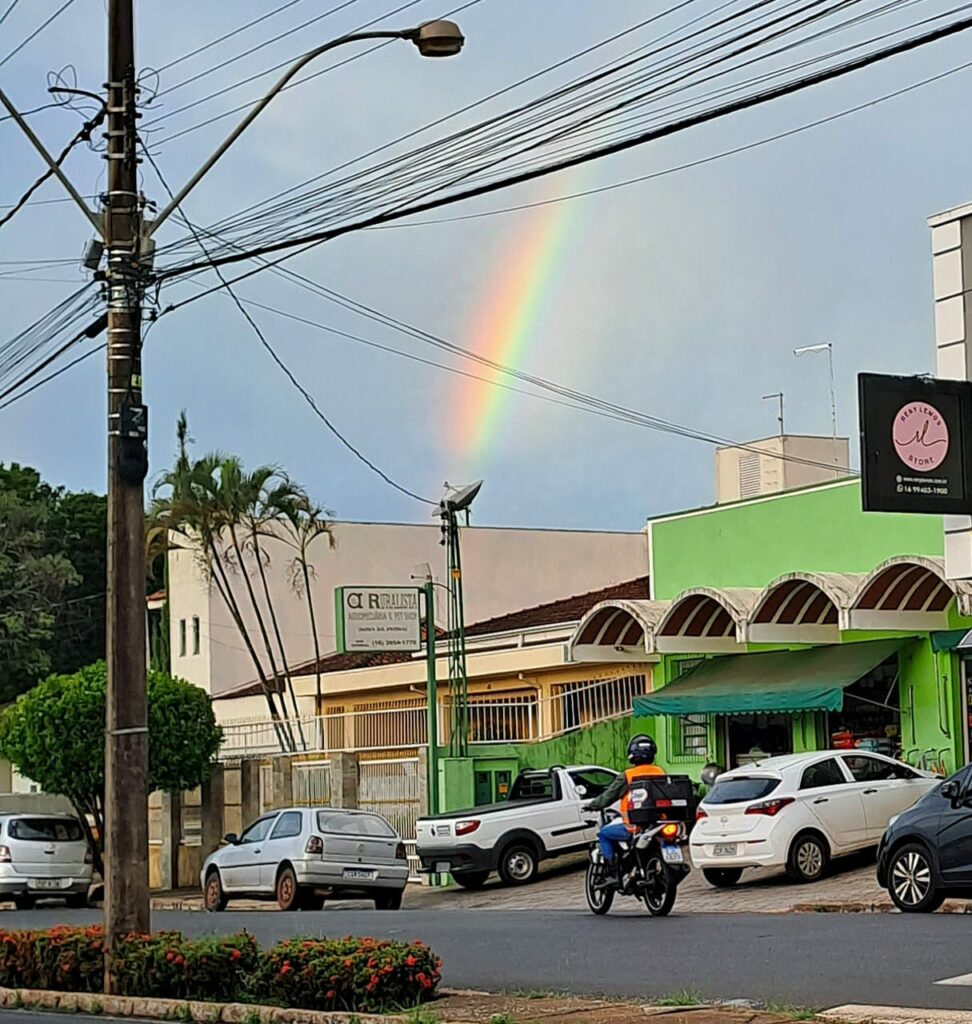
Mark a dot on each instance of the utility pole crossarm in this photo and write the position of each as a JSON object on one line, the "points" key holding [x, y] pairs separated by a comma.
{"points": [[256, 110], [51, 163]]}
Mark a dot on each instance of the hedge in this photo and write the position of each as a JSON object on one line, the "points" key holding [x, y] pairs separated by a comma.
{"points": [[350, 974]]}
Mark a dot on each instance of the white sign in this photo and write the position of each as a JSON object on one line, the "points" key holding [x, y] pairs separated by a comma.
{"points": [[378, 619]]}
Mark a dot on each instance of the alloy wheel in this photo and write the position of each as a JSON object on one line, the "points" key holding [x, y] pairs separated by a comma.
{"points": [[911, 878], [810, 859]]}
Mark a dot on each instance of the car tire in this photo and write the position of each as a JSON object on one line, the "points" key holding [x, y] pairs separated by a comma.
{"points": [[287, 890], [911, 880], [808, 858], [388, 900], [472, 880], [214, 898], [76, 900], [722, 878], [518, 864]]}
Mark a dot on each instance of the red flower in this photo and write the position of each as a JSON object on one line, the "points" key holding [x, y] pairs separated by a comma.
{"points": [[170, 955], [180, 960], [410, 961], [349, 963], [286, 969], [331, 994], [235, 954]]}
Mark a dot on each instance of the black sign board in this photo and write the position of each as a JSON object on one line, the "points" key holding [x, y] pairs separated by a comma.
{"points": [[916, 442]]}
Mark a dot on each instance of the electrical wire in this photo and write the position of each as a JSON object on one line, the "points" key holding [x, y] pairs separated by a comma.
{"points": [[36, 31], [8, 11]]}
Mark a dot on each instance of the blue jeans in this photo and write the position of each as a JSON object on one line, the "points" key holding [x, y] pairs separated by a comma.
{"points": [[610, 837]]}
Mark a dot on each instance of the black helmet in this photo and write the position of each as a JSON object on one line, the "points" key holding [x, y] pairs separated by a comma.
{"points": [[642, 750]]}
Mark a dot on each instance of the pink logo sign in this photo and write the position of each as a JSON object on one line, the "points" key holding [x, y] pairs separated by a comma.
{"points": [[920, 436]]}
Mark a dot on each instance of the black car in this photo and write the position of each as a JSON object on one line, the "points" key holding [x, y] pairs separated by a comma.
{"points": [[926, 853]]}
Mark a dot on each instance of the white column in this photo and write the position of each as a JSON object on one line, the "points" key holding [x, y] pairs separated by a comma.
{"points": [[952, 273]]}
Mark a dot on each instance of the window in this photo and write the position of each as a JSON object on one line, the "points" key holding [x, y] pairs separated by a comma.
{"points": [[47, 830], [693, 736], [354, 824], [826, 773], [534, 786], [257, 832], [740, 790], [288, 825], [594, 782], [182, 638], [195, 634], [869, 769]]}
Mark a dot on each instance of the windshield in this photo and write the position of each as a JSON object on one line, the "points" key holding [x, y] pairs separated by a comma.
{"points": [[740, 789], [45, 830]]}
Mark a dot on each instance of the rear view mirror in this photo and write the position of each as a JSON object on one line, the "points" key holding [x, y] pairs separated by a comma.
{"points": [[232, 838], [581, 790], [950, 790]]}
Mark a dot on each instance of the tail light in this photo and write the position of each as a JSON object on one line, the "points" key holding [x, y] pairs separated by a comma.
{"points": [[314, 845], [770, 807], [671, 830], [700, 814], [400, 852], [5, 857], [464, 828], [88, 857]]}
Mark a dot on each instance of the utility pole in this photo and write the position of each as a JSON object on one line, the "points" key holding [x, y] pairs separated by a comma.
{"points": [[126, 746]]}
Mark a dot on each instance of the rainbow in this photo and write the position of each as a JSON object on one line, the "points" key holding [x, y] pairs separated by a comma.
{"points": [[509, 318]]}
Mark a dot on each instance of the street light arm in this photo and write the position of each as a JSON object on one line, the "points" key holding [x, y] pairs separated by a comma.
{"points": [[294, 69], [51, 163]]}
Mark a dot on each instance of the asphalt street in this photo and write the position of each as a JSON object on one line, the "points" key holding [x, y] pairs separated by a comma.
{"points": [[815, 960]]}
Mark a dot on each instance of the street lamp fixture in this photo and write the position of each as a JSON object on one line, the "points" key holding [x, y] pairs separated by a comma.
{"points": [[438, 39]]}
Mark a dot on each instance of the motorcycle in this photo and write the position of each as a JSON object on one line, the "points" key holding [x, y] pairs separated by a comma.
{"points": [[654, 861]]}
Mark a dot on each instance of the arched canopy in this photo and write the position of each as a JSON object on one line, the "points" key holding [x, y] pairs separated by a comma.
{"points": [[617, 630], [803, 607], [706, 619], [908, 592]]}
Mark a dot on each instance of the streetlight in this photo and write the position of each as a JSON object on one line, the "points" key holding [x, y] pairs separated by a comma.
{"points": [[433, 39], [778, 395], [829, 349]]}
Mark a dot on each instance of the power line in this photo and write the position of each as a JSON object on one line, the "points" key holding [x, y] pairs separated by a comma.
{"points": [[52, 376], [8, 11], [36, 31]]}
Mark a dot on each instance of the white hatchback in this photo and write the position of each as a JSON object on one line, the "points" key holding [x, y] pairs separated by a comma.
{"points": [[799, 810], [43, 856]]}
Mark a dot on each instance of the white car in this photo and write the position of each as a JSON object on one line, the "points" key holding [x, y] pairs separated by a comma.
{"points": [[799, 810], [43, 856]]}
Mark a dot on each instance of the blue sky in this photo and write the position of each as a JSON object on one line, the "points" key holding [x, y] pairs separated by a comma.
{"points": [[682, 296]]}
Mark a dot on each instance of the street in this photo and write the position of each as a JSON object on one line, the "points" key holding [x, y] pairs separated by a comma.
{"points": [[815, 960]]}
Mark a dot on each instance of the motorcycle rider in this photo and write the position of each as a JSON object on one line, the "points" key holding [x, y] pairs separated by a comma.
{"points": [[642, 751]]}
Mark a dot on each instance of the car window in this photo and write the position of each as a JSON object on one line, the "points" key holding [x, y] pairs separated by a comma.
{"points": [[740, 789], [824, 773], [595, 781], [869, 769], [288, 825], [257, 832], [533, 786], [45, 830], [342, 823]]}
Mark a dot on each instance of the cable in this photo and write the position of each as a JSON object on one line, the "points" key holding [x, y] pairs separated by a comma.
{"points": [[52, 376], [36, 32], [6, 13], [358, 454]]}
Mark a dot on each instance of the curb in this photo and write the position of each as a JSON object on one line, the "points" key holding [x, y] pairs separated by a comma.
{"points": [[948, 907], [178, 1009]]}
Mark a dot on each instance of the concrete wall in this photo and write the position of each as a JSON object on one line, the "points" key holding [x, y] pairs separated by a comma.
{"points": [[770, 473], [503, 569]]}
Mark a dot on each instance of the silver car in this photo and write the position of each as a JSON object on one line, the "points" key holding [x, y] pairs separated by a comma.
{"points": [[302, 856], [43, 856]]}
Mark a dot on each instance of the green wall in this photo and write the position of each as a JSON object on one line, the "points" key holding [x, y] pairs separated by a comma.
{"points": [[750, 543]]}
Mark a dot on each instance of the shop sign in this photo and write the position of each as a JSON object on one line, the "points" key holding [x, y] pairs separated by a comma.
{"points": [[916, 434], [378, 619]]}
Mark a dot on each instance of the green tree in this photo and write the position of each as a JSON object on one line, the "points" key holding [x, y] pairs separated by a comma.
{"points": [[54, 735]]}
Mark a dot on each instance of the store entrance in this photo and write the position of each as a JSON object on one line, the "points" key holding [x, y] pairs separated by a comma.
{"points": [[752, 738], [871, 716]]}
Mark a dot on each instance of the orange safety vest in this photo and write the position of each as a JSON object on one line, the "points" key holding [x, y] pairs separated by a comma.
{"points": [[638, 771]]}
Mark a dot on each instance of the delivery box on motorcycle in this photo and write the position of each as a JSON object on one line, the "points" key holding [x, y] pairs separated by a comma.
{"points": [[655, 798]]}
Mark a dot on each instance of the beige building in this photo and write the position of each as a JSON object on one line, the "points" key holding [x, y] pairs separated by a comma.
{"points": [[501, 568], [783, 462]]}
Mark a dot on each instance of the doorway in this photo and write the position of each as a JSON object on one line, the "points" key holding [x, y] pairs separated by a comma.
{"points": [[751, 738]]}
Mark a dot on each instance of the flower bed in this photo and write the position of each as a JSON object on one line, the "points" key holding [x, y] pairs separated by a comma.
{"points": [[314, 974]]}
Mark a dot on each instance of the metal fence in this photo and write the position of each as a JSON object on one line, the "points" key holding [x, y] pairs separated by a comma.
{"points": [[392, 788], [312, 783]]}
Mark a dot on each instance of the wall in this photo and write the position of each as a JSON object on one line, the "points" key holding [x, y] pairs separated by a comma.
{"points": [[814, 449], [751, 543], [931, 718], [503, 569]]}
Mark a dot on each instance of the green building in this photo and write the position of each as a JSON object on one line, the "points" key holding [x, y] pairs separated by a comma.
{"points": [[795, 622]]}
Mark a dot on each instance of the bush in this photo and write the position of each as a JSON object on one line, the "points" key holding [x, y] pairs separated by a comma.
{"points": [[356, 975]]}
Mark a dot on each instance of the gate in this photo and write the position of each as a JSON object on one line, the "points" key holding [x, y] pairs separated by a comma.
{"points": [[312, 783], [392, 789]]}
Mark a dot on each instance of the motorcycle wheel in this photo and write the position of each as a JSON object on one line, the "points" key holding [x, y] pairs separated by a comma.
{"points": [[659, 897], [598, 900]]}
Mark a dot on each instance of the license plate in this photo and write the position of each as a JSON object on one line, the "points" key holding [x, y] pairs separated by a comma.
{"points": [[45, 883], [724, 850], [358, 875], [672, 855], [442, 867]]}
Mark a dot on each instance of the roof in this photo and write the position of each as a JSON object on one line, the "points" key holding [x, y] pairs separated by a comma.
{"points": [[554, 613]]}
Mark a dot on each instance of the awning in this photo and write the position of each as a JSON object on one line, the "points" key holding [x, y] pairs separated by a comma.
{"points": [[809, 680], [951, 640]]}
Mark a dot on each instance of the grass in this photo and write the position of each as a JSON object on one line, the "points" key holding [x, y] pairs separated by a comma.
{"points": [[683, 997], [535, 993], [502, 1018], [786, 1010], [422, 1015]]}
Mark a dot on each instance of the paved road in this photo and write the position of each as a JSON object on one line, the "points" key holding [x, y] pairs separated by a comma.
{"points": [[802, 959]]}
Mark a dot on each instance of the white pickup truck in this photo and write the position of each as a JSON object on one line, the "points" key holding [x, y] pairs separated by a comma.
{"points": [[542, 818]]}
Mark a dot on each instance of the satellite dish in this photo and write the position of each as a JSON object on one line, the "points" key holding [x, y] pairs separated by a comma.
{"points": [[462, 497]]}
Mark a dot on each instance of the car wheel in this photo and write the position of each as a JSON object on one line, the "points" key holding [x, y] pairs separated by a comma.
{"points": [[214, 898], [722, 878], [471, 879], [911, 881], [76, 900], [808, 858], [288, 894], [518, 864], [388, 900]]}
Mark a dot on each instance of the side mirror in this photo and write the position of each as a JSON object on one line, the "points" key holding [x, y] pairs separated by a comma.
{"points": [[950, 790], [581, 790], [232, 838]]}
